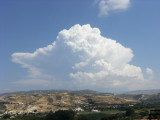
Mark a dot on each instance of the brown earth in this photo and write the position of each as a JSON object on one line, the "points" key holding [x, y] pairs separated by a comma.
{"points": [[26, 103]]}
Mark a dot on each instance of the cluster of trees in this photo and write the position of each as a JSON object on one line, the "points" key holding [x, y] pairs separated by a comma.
{"points": [[130, 114], [71, 115], [58, 115], [61, 115]]}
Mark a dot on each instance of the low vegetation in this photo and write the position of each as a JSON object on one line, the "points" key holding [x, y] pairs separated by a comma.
{"points": [[128, 113], [78, 107]]}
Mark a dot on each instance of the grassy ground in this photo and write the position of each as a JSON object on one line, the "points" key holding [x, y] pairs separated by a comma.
{"points": [[102, 112], [99, 115]]}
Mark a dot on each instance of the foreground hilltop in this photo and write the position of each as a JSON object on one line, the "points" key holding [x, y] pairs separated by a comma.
{"points": [[45, 101]]}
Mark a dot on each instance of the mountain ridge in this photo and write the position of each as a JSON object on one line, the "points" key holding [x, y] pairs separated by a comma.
{"points": [[149, 91], [78, 92]]}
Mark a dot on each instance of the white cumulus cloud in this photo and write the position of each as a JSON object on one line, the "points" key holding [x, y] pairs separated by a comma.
{"points": [[105, 6], [82, 58], [149, 71]]}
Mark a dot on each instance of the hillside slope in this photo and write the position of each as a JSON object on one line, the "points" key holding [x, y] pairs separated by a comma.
{"points": [[29, 103]]}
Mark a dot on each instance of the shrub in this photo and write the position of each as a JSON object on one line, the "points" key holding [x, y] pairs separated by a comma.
{"points": [[6, 116], [50, 100]]}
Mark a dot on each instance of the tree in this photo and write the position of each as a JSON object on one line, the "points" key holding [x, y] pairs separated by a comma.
{"points": [[61, 115], [83, 118], [130, 113], [50, 100], [65, 115], [6, 116], [144, 112], [105, 118], [50, 116]]}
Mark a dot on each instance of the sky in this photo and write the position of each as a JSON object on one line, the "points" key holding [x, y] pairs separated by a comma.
{"points": [[103, 45]]}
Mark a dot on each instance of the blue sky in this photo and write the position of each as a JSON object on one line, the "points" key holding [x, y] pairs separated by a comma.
{"points": [[26, 26]]}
